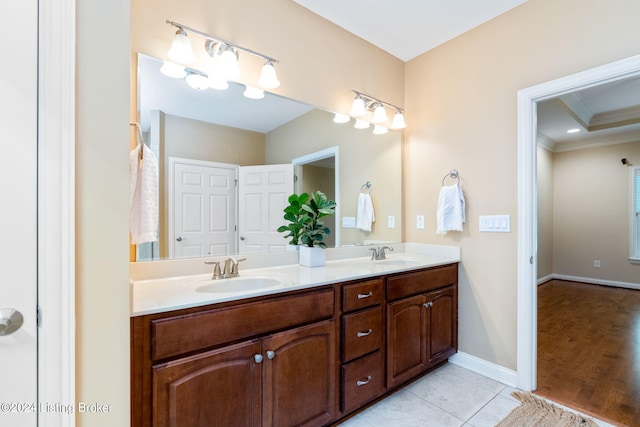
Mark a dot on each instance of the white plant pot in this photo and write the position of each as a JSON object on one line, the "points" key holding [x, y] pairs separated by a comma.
{"points": [[312, 257]]}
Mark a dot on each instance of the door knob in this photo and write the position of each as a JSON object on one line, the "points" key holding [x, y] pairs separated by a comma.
{"points": [[10, 321], [243, 238], [180, 238]]}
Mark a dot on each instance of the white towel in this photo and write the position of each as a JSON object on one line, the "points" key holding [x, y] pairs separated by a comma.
{"points": [[365, 215], [143, 195], [450, 215]]}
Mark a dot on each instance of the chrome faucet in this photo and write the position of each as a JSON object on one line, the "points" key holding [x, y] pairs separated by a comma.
{"points": [[379, 252], [231, 267], [229, 270]]}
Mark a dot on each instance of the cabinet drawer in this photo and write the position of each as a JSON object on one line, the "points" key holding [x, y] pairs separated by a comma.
{"points": [[361, 333], [362, 381], [361, 295], [183, 334], [422, 281]]}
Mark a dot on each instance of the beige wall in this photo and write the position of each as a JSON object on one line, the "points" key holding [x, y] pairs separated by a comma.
{"points": [[460, 101], [363, 157], [591, 213], [194, 139], [102, 210], [318, 178], [545, 212]]}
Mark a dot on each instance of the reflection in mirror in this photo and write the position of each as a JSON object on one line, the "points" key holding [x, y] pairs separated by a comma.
{"points": [[228, 141]]}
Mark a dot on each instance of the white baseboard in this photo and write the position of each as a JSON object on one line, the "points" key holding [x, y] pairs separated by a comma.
{"points": [[545, 279], [483, 367], [593, 281]]}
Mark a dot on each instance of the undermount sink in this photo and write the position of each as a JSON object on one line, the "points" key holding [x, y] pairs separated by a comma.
{"points": [[239, 284]]}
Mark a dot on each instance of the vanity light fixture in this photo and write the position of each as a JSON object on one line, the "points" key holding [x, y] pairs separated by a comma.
{"points": [[197, 80], [341, 118], [253, 92], [361, 124], [398, 120], [224, 56], [181, 50], [173, 70], [380, 130], [363, 102]]}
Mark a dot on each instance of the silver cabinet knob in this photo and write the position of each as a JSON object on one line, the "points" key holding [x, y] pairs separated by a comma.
{"points": [[10, 321], [428, 304], [271, 354], [258, 358]]}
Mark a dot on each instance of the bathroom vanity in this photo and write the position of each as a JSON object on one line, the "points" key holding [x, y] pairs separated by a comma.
{"points": [[308, 353]]}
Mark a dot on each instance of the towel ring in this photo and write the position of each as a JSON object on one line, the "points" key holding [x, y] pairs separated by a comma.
{"points": [[452, 174], [367, 187]]}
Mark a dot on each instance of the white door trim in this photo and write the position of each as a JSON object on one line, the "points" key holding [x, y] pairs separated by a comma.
{"points": [[527, 206], [319, 155], [56, 207]]}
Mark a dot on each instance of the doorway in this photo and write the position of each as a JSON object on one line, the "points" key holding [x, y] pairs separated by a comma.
{"points": [[318, 171], [527, 200]]}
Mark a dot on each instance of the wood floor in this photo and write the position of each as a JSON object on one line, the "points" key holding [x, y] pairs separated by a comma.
{"points": [[589, 349]]}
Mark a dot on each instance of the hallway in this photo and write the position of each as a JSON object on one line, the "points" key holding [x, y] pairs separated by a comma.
{"points": [[589, 349]]}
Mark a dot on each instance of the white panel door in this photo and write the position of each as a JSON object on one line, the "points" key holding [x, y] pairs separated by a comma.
{"points": [[18, 212], [202, 212], [263, 193]]}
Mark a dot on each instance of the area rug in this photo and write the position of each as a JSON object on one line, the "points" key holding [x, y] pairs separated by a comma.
{"points": [[536, 412]]}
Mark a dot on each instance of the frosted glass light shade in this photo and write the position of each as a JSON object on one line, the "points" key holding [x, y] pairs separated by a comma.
{"points": [[380, 130], [379, 114], [253, 93], [216, 78], [398, 121], [197, 81], [268, 77], [358, 108], [341, 118], [361, 124], [173, 70], [181, 50], [229, 65]]}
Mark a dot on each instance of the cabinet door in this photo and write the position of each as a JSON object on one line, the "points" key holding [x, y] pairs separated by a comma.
{"points": [[218, 388], [300, 376], [442, 323], [407, 329]]}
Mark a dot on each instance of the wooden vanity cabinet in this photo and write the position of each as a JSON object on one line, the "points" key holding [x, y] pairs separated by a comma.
{"points": [[421, 322], [362, 338], [305, 358], [226, 374]]}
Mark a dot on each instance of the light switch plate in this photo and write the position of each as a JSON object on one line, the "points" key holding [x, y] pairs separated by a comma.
{"points": [[420, 222], [495, 223], [391, 222]]}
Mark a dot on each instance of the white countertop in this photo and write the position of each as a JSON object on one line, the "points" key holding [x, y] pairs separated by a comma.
{"points": [[173, 293]]}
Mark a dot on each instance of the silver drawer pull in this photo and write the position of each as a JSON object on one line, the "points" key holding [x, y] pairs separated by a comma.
{"points": [[362, 296], [364, 333], [365, 382]]}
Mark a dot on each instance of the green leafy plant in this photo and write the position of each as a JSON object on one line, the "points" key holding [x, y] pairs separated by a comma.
{"points": [[304, 214], [314, 231], [296, 215]]}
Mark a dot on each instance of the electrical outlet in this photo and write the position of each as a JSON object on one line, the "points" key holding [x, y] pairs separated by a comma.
{"points": [[348, 222], [596, 263], [420, 222]]}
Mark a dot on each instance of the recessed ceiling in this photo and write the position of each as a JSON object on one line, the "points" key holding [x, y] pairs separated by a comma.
{"points": [[604, 114], [408, 28]]}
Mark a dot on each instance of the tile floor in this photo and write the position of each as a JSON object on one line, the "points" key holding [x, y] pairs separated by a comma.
{"points": [[450, 396]]}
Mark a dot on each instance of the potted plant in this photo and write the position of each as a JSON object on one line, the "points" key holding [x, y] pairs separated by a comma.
{"points": [[305, 226], [295, 214]]}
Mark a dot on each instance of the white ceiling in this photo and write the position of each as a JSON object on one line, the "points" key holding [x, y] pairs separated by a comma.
{"points": [[408, 28]]}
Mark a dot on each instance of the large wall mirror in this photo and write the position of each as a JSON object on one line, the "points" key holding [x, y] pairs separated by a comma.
{"points": [[249, 141]]}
